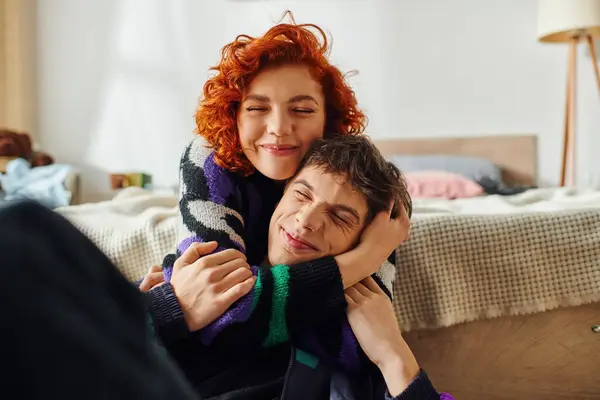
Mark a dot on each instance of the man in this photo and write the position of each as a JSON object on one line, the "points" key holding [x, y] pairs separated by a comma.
{"points": [[74, 325], [250, 351]]}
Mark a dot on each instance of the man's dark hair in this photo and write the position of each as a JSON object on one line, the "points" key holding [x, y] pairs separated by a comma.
{"points": [[356, 158]]}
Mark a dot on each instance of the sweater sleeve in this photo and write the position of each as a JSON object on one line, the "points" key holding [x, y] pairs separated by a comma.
{"points": [[283, 300], [420, 388], [334, 341], [284, 305]]}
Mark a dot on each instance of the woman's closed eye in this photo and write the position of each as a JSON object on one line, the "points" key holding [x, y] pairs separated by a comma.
{"points": [[304, 110], [254, 108]]}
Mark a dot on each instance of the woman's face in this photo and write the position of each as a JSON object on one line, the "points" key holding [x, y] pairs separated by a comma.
{"points": [[281, 114]]}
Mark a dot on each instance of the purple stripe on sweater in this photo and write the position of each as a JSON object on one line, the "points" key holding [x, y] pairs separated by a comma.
{"points": [[310, 342], [240, 311], [350, 348], [348, 357], [220, 185], [187, 242], [183, 246], [167, 273]]}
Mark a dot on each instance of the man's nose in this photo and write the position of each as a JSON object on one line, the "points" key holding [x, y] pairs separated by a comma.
{"points": [[310, 218]]}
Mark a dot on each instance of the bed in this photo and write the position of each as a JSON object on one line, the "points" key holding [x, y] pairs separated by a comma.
{"points": [[499, 296], [496, 305]]}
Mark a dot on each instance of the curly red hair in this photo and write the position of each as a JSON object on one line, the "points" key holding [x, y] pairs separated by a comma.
{"points": [[246, 57]]}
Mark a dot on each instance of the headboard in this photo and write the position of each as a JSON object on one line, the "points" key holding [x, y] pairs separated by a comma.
{"points": [[516, 155]]}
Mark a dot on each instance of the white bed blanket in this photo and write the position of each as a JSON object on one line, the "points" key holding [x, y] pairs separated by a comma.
{"points": [[533, 200], [135, 229]]}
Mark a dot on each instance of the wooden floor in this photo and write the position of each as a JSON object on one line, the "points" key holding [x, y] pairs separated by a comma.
{"points": [[551, 355]]}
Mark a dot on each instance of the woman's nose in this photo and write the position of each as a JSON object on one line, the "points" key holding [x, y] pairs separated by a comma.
{"points": [[279, 124]]}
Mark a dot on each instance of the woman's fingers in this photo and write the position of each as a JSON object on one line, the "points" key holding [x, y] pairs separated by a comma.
{"points": [[237, 274], [237, 291], [153, 278], [194, 252], [155, 268], [221, 257]]}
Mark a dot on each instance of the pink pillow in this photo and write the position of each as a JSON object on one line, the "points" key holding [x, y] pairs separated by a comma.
{"points": [[441, 184]]}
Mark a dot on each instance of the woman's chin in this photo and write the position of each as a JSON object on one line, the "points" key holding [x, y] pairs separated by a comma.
{"points": [[277, 171]]}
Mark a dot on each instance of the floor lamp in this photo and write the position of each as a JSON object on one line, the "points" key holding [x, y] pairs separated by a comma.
{"points": [[570, 21]]}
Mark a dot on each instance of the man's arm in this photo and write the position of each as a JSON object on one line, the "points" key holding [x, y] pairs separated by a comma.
{"points": [[373, 321]]}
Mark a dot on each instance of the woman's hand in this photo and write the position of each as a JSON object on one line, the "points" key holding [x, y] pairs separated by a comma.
{"points": [[379, 239], [153, 278], [384, 234], [207, 285], [373, 321]]}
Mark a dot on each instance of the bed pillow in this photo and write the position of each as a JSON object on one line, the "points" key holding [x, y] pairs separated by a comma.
{"points": [[473, 168], [441, 184]]}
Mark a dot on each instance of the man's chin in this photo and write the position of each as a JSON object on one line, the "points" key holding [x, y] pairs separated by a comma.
{"points": [[291, 259]]}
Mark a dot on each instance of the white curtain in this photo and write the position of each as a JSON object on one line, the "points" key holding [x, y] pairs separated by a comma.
{"points": [[17, 65]]}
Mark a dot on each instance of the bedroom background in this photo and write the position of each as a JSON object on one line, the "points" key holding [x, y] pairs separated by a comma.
{"points": [[112, 85], [498, 296]]}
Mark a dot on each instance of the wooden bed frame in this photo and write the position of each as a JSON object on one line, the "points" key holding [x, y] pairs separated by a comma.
{"points": [[548, 355], [515, 154], [553, 354]]}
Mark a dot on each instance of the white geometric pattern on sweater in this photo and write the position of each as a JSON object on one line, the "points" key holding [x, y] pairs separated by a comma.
{"points": [[211, 215], [387, 274], [199, 152]]}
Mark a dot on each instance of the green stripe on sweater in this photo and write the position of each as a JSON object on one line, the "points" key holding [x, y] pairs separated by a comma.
{"points": [[257, 291], [278, 332]]}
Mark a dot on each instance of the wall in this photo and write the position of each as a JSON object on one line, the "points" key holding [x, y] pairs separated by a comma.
{"points": [[17, 65], [119, 79]]}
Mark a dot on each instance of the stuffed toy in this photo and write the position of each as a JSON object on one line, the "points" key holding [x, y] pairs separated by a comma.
{"points": [[18, 145]]}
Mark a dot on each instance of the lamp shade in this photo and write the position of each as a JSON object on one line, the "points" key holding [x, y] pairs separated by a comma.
{"points": [[560, 20]]}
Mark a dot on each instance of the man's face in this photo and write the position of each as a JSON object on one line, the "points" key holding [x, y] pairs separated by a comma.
{"points": [[319, 215]]}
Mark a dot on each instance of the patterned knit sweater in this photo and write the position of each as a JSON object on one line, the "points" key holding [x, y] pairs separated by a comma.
{"points": [[303, 303]]}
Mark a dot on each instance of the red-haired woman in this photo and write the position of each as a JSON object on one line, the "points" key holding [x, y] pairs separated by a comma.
{"points": [[270, 99]]}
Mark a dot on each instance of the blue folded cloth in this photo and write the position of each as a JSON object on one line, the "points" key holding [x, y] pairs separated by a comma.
{"points": [[45, 184]]}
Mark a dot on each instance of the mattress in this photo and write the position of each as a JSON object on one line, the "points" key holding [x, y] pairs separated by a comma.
{"points": [[494, 256], [532, 200]]}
